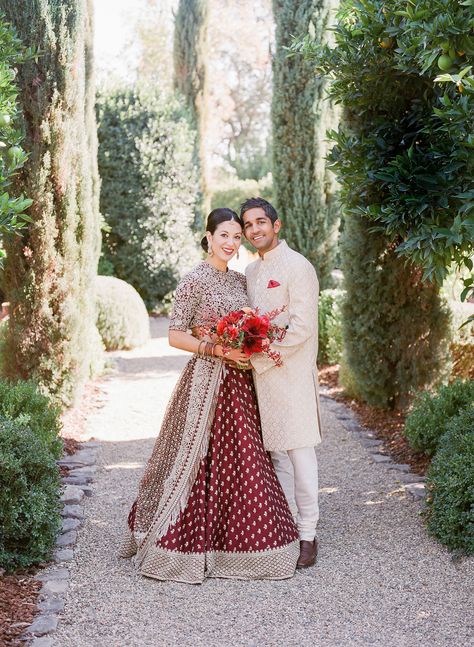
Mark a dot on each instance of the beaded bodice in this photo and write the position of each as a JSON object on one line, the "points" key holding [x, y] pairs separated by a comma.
{"points": [[205, 292]]}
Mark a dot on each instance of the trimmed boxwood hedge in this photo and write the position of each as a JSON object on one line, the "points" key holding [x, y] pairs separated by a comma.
{"points": [[122, 318], [431, 414], [24, 400], [29, 496], [450, 478]]}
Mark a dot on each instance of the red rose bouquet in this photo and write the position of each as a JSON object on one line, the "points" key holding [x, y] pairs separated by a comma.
{"points": [[248, 331]]}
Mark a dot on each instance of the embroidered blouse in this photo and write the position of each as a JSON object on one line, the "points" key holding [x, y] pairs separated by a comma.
{"points": [[206, 291]]}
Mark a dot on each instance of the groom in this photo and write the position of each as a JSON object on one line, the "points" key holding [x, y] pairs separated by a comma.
{"points": [[287, 396]]}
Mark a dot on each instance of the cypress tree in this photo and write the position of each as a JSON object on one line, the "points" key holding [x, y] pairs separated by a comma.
{"points": [[190, 45], [190, 51], [394, 325], [304, 190], [49, 273]]}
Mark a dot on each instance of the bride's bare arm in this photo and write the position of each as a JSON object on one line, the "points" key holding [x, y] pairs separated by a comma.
{"points": [[185, 341]]}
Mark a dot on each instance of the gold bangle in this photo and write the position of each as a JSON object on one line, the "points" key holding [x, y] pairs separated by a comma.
{"points": [[199, 354]]}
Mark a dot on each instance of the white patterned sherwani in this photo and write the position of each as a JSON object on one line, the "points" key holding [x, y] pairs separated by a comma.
{"points": [[288, 396]]}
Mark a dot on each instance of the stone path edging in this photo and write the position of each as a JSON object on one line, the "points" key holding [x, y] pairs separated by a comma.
{"points": [[412, 483], [55, 579]]}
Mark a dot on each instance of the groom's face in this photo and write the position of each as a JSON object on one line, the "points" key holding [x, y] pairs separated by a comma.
{"points": [[259, 229]]}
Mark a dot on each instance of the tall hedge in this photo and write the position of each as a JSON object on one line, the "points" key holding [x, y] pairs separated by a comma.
{"points": [[49, 272], [304, 190], [394, 326], [149, 189], [189, 54]]}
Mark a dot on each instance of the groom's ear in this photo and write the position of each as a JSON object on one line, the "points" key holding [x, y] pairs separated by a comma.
{"points": [[277, 225]]}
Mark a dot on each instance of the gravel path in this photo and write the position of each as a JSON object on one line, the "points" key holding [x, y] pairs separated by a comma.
{"points": [[380, 580]]}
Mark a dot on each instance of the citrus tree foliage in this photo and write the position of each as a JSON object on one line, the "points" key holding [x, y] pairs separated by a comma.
{"points": [[304, 189], [405, 154], [149, 189], [50, 270], [12, 156]]}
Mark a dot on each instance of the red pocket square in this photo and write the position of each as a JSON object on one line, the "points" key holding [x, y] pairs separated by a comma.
{"points": [[272, 284]]}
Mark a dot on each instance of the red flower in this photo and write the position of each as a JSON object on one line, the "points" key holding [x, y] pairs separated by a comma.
{"points": [[256, 326], [235, 317], [252, 345], [247, 330], [221, 326], [232, 332]]}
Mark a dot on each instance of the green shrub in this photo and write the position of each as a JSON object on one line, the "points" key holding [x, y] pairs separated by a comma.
{"points": [[330, 331], [122, 318], [450, 478], [25, 401], [431, 414], [29, 496]]}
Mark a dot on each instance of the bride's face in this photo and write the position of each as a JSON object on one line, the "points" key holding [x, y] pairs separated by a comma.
{"points": [[226, 239]]}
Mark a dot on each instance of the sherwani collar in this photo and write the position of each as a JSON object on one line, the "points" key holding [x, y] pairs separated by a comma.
{"points": [[274, 253]]}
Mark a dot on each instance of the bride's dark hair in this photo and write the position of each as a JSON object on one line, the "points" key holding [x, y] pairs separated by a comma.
{"points": [[215, 218]]}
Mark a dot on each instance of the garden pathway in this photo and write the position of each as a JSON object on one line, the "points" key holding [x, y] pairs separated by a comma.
{"points": [[380, 580]]}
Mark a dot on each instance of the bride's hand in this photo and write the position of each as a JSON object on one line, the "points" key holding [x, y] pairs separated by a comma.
{"points": [[234, 355]]}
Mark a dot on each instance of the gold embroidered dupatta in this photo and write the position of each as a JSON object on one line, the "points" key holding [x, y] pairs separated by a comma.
{"points": [[174, 464]]}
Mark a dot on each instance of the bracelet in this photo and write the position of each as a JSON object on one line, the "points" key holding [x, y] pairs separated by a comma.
{"points": [[208, 350]]}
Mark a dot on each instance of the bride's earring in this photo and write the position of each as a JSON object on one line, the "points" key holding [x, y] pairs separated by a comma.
{"points": [[211, 251], [237, 255]]}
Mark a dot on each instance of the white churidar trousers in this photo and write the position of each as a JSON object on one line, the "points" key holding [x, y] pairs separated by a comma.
{"points": [[297, 471]]}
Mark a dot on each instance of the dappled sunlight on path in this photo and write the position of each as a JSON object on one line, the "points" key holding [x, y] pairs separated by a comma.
{"points": [[140, 388], [380, 579]]}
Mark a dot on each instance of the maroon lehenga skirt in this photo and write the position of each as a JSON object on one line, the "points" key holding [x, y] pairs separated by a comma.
{"points": [[236, 522]]}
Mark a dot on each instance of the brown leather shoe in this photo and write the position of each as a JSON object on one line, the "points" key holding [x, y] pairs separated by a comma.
{"points": [[308, 553]]}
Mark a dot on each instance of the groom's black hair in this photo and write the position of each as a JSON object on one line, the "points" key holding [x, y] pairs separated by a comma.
{"points": [[253, 203]]}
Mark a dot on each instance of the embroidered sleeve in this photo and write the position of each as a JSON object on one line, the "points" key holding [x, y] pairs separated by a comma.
{"points": [[185, 304]]}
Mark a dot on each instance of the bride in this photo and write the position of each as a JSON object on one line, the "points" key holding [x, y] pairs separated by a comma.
{"points": [[209, 503]]}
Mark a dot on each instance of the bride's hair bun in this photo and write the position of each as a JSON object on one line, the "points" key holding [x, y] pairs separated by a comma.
{"points": [[205, 244]]}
